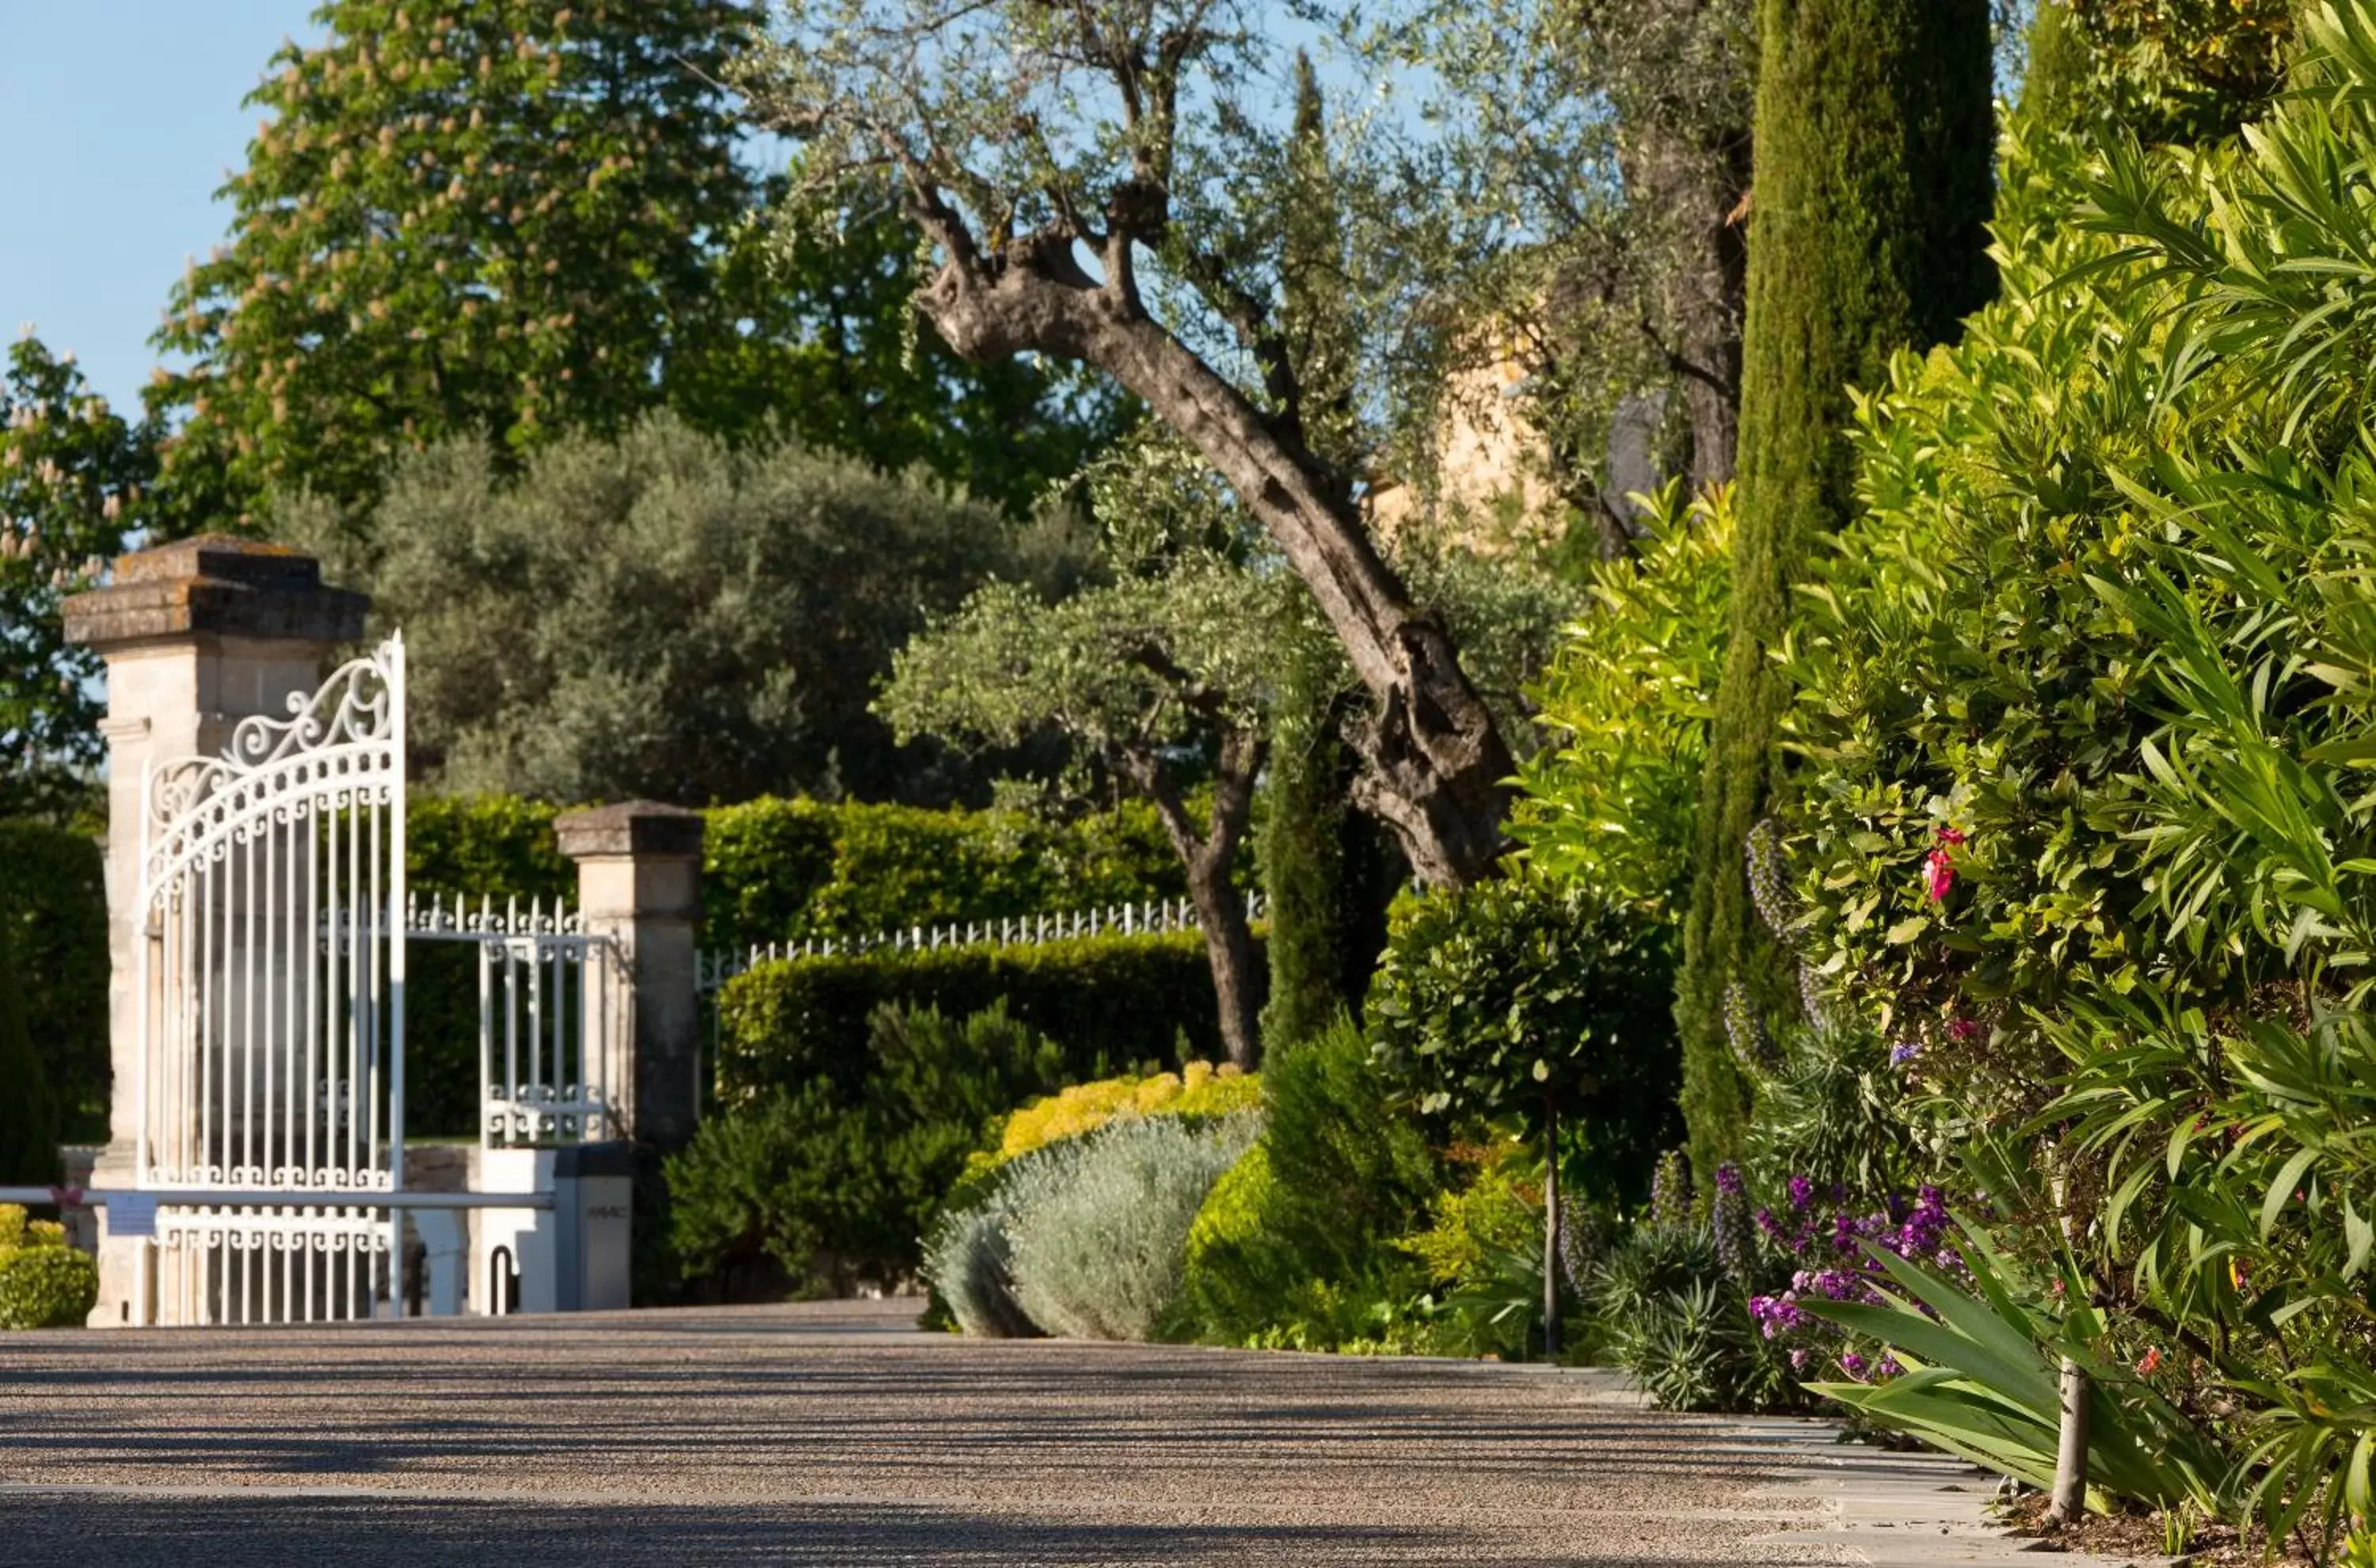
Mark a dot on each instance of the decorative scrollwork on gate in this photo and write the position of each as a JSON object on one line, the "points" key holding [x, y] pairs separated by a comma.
{"points": [[339, 749]]}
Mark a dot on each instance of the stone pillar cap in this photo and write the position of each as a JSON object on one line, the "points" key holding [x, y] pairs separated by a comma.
{"points": [[638, 829], [215, 584]]}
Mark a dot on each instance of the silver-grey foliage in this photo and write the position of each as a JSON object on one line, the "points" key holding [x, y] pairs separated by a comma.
{"points": [[663, 615], [1098, 1228], [970, 1264]]}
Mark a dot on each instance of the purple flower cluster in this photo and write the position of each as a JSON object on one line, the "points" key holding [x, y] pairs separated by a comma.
{"points": [[1835, 1264]]}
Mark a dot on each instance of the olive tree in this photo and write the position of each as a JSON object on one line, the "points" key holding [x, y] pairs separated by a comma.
{"points": [[1098, 183], [1157, 678]]}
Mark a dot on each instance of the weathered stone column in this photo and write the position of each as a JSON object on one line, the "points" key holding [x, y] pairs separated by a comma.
{"points": [[196, 636], [640, 883]]}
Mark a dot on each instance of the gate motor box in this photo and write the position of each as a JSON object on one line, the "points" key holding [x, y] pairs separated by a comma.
{"points": [[571, 1258]]}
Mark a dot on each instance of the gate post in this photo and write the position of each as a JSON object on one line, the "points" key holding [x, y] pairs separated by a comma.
{"points": [[639, 883], [197, 635]]}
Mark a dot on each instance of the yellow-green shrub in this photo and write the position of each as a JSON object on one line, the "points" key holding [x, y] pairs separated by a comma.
{"points": [[43, 1282], [1198, 1090]]}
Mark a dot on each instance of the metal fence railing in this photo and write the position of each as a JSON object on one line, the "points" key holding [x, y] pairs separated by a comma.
{"points": [[716, 967]]}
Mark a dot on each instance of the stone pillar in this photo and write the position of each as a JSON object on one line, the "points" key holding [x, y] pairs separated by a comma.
{"points": [[196, 636], [640, 883]]}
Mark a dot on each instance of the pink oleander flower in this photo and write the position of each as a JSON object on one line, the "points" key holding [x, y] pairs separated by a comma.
{"points": [[1939, 866]]}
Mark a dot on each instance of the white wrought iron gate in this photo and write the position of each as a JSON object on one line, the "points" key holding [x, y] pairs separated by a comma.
{"points": [[269, 982]]}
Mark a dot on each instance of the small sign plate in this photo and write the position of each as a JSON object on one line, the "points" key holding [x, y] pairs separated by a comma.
{"points": [[132, 1215]]}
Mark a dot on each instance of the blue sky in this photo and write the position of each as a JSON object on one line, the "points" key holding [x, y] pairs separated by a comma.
{"points": [[126, 115]]}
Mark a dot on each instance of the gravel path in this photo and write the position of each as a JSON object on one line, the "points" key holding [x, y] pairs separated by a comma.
{"points": [[831, 1434]]}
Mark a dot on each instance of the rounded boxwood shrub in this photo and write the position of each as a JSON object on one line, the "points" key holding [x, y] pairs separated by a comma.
{"points": [[1099, 1225], [45, 1283]]}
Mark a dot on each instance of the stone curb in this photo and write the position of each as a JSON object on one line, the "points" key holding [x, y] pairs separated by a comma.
{"points": [[1895, 1510], [1880, 1508]]}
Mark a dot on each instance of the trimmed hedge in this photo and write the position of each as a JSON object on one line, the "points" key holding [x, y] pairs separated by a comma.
{"points": [[773, 870], [790, 870], [778, 870], [53, 895], [1109, 1002]]}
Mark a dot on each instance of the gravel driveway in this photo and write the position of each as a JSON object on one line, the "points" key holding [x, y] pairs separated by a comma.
{"points": [[832, 1434]]}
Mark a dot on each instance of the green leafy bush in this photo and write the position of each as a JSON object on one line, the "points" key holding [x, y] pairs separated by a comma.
{"points": [[47, 1288], [1109, 1000], [1525, 998], [1099, 1224], [837, 1177], [53, 897], [1613, 798], [1298, 1238], [43, 1282], [2085, 826]]}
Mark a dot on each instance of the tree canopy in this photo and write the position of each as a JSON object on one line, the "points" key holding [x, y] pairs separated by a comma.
{"points": [[75, 481], [516, 219], [1117, 184], [667, 615]]}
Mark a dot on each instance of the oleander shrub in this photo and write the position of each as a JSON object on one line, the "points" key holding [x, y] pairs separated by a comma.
{"points": [[1297, 1242], [1099, 1223], [837, 1179], [1111, 1001], [43, 1282], [53, 898]]}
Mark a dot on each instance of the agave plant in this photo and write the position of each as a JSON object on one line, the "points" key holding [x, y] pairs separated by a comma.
{"points": [[1980, 1380]]}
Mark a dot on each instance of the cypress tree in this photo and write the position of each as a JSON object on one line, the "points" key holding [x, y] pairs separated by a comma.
{"points": [[1321, 859], [1302, 853], [1868, 232]]}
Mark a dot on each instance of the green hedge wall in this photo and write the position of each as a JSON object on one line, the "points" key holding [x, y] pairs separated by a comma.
{"points": [[1109, 1002], [789, 870], [774, 870], [54, 892]]}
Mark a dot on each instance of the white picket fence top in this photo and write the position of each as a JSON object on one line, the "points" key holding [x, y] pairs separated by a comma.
{"points": [[434, 916], [715, 967]]}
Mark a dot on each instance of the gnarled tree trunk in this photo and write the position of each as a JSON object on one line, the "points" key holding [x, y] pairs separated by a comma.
{"points": [[1435, 760], [1207, 856]]}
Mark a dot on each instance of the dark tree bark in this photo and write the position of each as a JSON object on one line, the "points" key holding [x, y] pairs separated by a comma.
{"points": [[1436, 763], [1208, 855]]}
